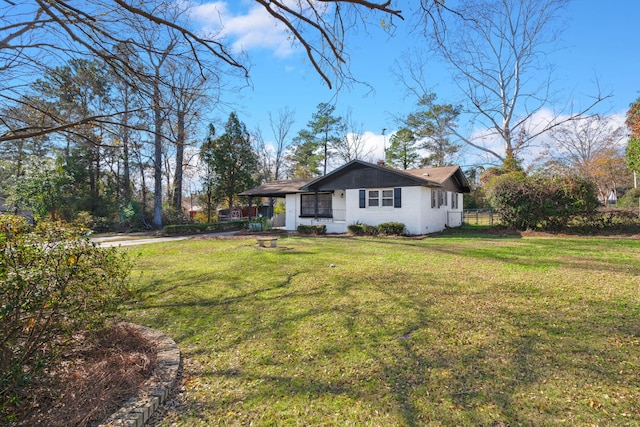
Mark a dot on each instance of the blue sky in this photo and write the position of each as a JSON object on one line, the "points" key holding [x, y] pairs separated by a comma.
{"points": [[597, 48]]}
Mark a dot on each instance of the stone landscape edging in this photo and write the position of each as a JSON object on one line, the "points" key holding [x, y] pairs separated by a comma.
{"points": [[139, 409]]}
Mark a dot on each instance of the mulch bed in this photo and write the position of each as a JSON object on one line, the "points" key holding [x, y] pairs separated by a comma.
{"points": [[96, 375]]}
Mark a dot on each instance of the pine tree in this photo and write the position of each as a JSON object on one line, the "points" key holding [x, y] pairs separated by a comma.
{"points": [[313, 147], [433, 126], [403, 150], [231, 161]]}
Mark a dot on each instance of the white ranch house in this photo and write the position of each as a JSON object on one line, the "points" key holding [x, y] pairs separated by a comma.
{"points": [[425, 200]]}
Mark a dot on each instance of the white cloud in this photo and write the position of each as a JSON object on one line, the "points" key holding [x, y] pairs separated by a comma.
{"points": [[254, 28], [540, 120], [374, 144]]}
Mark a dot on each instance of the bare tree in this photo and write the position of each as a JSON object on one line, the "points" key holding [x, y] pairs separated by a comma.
{"points": [[175, 86], [496, 49], [265, 156], [576, 144], [35, 33], [321, 27], [187, 96], [590, 147], [157, 52], [126, 132], [352, 144], [280, 126]]}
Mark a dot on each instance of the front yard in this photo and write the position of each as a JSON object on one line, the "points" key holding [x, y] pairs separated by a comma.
{"points": [[457, 330]]}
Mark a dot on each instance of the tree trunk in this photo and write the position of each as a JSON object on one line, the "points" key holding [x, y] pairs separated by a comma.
{"points": [[157, 163], [177, 179], [126, 171]]}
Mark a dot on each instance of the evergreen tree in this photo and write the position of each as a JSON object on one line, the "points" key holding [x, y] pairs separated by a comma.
{"points": [[232, 164], [76, 92], [315, 144], [633, 154], [433, 125], [403, 150], [45, 188], [303, 157]]}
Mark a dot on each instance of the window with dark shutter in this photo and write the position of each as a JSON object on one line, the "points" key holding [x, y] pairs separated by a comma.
{"points": [[363, 198], [397, 197]]}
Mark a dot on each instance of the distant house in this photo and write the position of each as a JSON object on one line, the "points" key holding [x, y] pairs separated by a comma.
{"points": [[425, 200], [22, 212]]}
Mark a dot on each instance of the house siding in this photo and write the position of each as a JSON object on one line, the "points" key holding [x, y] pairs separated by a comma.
{"points": [[334, 225], [416, 212], [414, 201], [433, 219]]}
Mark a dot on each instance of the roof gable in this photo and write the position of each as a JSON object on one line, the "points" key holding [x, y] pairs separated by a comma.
{"points": [[450, 177], [359, 174]]}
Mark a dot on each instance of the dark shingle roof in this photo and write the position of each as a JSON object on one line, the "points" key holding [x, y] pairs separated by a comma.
{"points": [[428, 176], [277, 188]]}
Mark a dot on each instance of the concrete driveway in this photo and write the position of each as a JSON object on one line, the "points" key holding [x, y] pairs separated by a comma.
{"points": [[146, 238]]}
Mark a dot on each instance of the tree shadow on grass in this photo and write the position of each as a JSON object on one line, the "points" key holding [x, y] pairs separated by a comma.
{"points": [[429, 355]]}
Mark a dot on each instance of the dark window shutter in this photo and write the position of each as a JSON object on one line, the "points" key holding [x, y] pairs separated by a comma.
{"points": [[363, 199], [397, 197]]}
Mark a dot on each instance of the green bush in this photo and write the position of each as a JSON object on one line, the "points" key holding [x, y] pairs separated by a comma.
{"points": [[392, 228], [631, 199], [206, 227], [359, 229], [541, 202], [312, 229], [171, 215], [54, 281], [356, 229], [260, 223], [96, 224], [606, 221]]}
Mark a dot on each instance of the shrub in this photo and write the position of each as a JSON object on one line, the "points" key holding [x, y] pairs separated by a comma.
{"points": [[96, 224], [540, 202], [280, 208], [206, 227], [363, 229], [259, 224], [392, 228], [54, 281], [312, 229], [606, 221], [631, 199], [356, 229], [171, 215]]}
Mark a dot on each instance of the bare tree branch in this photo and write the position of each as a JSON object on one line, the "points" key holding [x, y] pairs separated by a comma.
{"points": [[495, 48]]}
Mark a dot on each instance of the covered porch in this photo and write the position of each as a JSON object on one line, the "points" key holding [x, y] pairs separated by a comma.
{"points": [[304, 207]]}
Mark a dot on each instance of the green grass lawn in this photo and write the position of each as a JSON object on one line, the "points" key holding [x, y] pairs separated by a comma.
{"points": [[455, 330]]}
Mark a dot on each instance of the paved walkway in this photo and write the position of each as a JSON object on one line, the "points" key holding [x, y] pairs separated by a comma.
{"points": [[146, 238]]}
